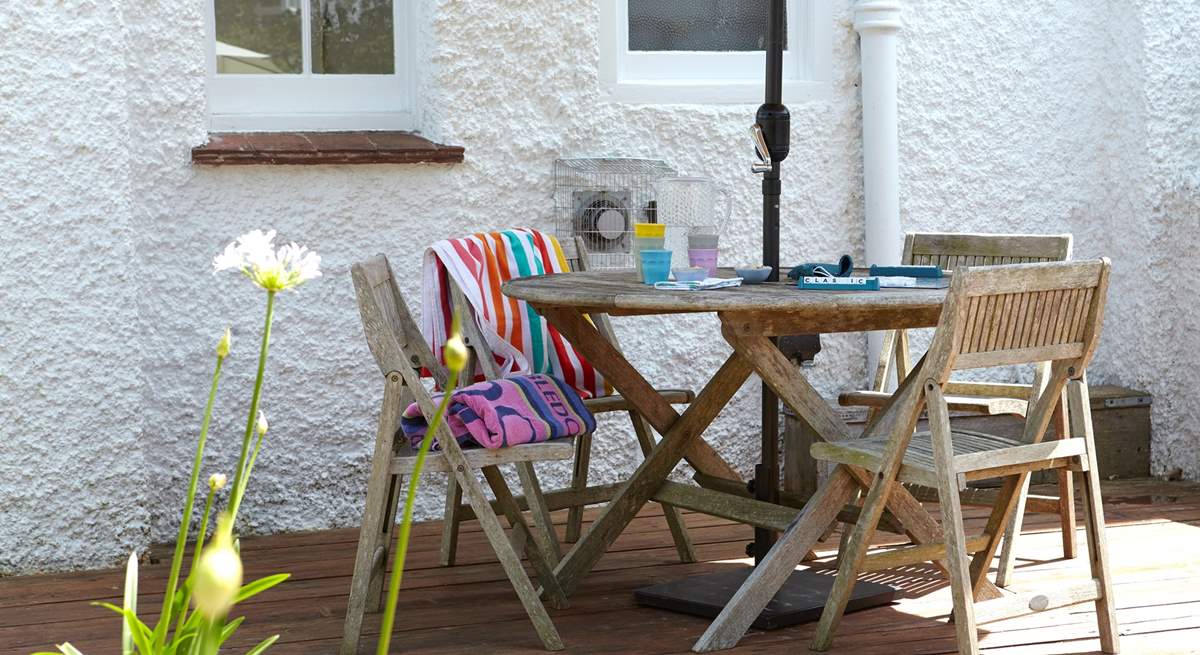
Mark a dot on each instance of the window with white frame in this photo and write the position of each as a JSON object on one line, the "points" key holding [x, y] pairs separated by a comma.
{"points": [[310, 64], [708, 51]]}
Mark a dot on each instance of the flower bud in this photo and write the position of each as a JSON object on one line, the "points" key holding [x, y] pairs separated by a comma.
{"points": [[217, 577], [216, 481], [223, 344], [261, 426], [455, 353]]}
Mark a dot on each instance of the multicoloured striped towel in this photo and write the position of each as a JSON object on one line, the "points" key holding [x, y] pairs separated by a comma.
{"points": [[507, 412], [522, 341]]}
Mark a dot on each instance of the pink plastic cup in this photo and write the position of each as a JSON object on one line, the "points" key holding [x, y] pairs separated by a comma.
{"points": [[705, 258]]}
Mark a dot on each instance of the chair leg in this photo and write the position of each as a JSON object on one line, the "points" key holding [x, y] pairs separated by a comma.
{"points": [[1066, 513], [675, 522], [1066, 486], [579, 475], [952, 524], [379, 514], [509, 559], [538, 559], [1093, 512], [850, 563], [770, 574], [387, 535], [847, 528], [1012, 534], [451, 520], [544, 524]]}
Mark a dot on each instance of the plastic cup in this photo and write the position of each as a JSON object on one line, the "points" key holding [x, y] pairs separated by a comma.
{"points": [[645, 243], [705, 258], [656, 265], [702, 241], [657, 230]]}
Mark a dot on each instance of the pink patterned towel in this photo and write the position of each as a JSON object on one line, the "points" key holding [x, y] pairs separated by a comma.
{"points": [[506, 412]]}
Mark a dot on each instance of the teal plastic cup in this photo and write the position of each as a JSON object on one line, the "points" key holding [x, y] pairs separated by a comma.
{"points": [[645, 243], [656, 265]]}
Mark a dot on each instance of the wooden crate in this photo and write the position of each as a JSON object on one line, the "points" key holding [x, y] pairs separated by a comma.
{"points": [[1120, 418]]}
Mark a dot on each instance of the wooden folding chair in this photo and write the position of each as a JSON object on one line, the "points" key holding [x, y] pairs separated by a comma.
{"points": [[579, 494], [952, 251], [401, 353], [993, 316]]}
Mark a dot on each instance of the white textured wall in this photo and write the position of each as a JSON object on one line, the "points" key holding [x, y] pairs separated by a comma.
{"points": [[73, 484], [1014, 117]]}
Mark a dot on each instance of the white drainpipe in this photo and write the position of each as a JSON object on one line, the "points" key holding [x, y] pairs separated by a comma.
{"points": [[878, 23]]}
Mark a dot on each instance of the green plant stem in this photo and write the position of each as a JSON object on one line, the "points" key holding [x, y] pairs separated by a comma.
{"points": [[389, 612], [187, 594], [160, 632], [240, 481], [254, 454]]}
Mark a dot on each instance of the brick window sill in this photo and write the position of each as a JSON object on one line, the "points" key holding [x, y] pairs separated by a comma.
{"points": [[309, 148]]}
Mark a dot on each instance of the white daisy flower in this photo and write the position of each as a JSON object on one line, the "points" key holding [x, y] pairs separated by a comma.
{"points": [[255, 255]]}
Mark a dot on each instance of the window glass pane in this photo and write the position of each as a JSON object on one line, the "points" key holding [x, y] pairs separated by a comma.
{"points": [[258, 36], [353, 37], [698, 25]]}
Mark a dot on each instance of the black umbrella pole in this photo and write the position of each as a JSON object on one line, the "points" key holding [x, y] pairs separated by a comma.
{"points": [[775, 121]]}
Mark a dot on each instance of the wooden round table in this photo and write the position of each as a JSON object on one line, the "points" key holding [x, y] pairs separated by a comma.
{"points": [[750, 316], [789, 310]]}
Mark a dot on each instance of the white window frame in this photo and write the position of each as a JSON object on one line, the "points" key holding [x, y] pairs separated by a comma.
{"points": [[245, 102], [714, 77]]}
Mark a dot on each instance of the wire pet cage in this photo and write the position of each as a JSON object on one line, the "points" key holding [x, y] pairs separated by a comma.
{"points": [[600, 198]]}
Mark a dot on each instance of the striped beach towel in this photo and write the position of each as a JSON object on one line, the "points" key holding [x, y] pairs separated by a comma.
{"points": [[521, 340]]}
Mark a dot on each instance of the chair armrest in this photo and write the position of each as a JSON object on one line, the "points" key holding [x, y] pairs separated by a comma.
{"points": [[617, 403], [972, 404]]}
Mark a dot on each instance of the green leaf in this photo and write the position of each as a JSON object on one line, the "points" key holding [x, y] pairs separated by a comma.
{"points": [[266, 643], [230, 627], [129, 603], [141, 633], [260, 585]]}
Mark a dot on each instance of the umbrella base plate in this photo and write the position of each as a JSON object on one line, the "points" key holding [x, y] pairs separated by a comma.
{"points": [[800, 600]]}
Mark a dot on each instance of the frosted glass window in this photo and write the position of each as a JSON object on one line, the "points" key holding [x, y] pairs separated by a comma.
{"points": [[697, 25], [258, 36], [353, 37]]}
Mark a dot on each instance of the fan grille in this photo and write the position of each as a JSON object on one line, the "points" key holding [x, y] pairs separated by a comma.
{"points": [[600, 198]]}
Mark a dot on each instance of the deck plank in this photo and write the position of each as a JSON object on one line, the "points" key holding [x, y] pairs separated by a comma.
{"points": [[1153, 529]]}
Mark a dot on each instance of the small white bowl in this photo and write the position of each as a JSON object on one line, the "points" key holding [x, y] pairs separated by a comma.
{"points": [[753, 274], [690, 274]]}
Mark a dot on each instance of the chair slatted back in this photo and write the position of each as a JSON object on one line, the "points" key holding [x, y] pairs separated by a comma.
{"points": [[952, 251], [1026, 313], [393, 336]]}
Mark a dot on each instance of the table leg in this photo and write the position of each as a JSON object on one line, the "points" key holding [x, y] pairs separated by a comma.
{"points": [[641, 394], [774, 569], [653, 470]]}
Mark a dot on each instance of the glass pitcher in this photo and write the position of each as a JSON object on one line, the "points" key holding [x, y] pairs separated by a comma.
{"points": [[687, 202], [692, 205]]}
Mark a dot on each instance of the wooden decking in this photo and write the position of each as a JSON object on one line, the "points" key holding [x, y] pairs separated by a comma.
{"points": [[1154, 538]]}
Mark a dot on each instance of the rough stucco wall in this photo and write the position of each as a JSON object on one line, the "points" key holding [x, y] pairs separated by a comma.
{"points": [[1018, 117], [72, 479], [1170, 189]]}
